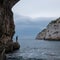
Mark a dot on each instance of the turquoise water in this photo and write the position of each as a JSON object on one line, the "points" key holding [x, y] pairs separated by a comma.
{"points": [[36, 50]]}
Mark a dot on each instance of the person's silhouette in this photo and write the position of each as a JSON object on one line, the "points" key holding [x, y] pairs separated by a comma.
{"points": [[16, 38]]}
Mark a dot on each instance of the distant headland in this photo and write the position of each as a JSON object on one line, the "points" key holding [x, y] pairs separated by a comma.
{"points": [[51, 32]]}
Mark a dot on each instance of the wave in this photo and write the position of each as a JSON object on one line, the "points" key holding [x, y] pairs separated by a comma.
{"points": [[21, 58], [39, 52]]}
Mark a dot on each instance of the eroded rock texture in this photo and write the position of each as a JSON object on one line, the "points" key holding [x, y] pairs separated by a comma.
{"points": [[7, 27]]}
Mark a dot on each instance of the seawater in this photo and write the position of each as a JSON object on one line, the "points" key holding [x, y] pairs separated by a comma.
{"points": [[36, 50]]}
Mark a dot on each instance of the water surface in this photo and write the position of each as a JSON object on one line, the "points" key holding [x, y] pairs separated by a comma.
{"points": [[37, 50]]}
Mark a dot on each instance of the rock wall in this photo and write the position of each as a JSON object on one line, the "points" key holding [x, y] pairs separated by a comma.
{"points": [[7, 27], [52, 31]]}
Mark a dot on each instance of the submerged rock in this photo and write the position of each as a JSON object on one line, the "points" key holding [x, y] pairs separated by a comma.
{"points": [[52, 31]]}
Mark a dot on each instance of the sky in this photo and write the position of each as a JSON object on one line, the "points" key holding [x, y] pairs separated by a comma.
{"points": [[32, 16], [37, 8], [28, 28]]}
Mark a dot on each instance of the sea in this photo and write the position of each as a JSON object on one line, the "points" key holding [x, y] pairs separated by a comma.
{"points": [[31, 49]]}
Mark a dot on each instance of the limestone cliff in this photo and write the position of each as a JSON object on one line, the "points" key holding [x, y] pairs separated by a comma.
{"points": [[41, 35], [52, 31]]}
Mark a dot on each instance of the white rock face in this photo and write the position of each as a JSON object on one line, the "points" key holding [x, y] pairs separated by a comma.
{"points": [[41, 35], [52, 31]]}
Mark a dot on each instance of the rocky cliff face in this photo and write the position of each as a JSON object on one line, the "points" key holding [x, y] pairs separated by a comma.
{"points": [[41, 35], [52, 31], [7, 27]]}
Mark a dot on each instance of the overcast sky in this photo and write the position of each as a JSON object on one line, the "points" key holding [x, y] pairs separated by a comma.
{"points": [[38, 8]]}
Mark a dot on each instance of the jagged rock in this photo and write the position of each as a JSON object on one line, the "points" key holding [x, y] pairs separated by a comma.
{"points": [[52, 31]]}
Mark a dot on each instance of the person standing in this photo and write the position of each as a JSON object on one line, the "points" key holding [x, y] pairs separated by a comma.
{"points": [[16, 38]]}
